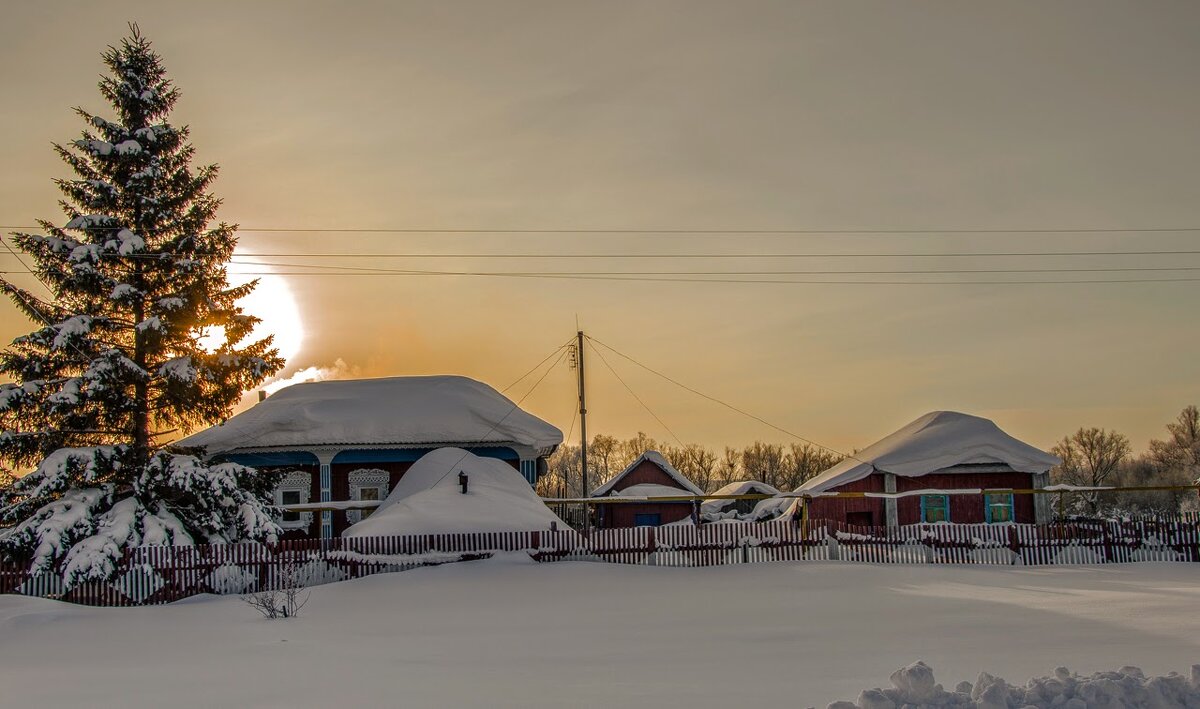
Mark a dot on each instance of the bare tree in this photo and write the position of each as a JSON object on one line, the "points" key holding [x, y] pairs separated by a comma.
{"points": [[805, 461], [729, 468], [764, 462], [1181, 451], [602, 454], [696, 462], [285, 598], [1090, 457]]}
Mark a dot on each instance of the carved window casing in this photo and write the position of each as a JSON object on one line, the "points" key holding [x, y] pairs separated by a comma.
{"points": [[366, 484], [295, 488]]}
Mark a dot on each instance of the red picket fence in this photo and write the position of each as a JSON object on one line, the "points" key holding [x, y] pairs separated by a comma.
{"points": [[152, 575]]}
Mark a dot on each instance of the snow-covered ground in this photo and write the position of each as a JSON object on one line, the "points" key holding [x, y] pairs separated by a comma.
{"points": [[512, 633]]}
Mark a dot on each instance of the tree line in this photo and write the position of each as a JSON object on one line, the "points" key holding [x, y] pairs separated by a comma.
{"points": [[1091, 457], [1097, 457], [782, 466]]}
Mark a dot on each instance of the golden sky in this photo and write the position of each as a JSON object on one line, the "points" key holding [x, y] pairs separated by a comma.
{"points": [[691, 115]]}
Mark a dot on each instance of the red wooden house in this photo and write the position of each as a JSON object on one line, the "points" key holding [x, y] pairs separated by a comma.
{"points": [[920, 473], [650, 476]]}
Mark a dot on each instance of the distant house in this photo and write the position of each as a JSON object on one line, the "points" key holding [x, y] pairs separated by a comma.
{"points": [[714, 510], [940, 452], [354, 439], [651, 475]]}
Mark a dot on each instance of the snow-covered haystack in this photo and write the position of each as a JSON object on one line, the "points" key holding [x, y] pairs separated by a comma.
{"points": [[1127, 687], [428, 500]]}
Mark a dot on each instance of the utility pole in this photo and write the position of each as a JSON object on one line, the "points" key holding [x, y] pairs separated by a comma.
{"points": [[583, 439]]}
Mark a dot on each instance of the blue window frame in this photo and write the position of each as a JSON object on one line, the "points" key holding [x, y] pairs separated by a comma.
{"points": [[935, 508], [647, 520], [998, 507]]}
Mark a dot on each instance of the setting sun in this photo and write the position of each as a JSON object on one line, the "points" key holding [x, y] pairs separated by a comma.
{"points": [[273, 303]]}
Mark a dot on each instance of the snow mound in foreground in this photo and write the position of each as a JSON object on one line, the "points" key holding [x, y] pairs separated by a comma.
{"points": [[914, 686], [428, 500]]}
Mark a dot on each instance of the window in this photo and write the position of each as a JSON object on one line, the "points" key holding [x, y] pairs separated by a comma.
{"points": [[370, 484], [998, 507], [290, 497], [647, 520], [370, 494], [294, 489], [935, 508]]}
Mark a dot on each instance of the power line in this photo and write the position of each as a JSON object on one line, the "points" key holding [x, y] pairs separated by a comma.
{"points": [[638, 398], [561, 353], [351, 270], [715, 400], [536, 366], [718, 280], [742, 255], [690, 232]]}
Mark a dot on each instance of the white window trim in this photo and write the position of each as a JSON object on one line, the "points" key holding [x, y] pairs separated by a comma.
{"points": [[296, 481], [366, 477]]}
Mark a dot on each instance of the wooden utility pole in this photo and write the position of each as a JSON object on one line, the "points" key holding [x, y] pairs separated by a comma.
{"points": [[583, 439]]}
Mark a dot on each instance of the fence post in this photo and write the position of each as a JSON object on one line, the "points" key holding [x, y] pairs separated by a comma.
{"points": [[1014, 543]]}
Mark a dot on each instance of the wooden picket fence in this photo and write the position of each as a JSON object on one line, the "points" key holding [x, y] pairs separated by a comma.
{"points": [[153, 575]]}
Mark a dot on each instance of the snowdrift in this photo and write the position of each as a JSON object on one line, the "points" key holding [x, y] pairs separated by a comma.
{"points": [[398, 410], [937, 440], [428, 500], [1127, 687], [716, 510]]}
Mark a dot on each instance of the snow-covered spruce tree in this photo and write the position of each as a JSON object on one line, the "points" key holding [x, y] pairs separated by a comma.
{"points": [[115, 366]]}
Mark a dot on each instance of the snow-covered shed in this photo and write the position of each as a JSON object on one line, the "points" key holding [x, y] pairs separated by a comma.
{"points": [[430, 500], [714, 510], [355, 439], [651, 475], [940, 452]]}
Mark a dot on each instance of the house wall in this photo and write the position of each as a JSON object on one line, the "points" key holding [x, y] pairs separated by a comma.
{"points": [[852, 510], [340, 479], [625, 515], [964, 509]]}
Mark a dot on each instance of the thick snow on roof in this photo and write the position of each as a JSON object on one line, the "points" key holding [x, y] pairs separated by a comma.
{"points": [[428, 500], [392, 410], [658, 459], [937, 440], [744, 487], [649, 490]]}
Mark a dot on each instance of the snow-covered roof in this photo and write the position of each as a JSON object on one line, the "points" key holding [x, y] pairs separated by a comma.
{"points": [[657, 459], [428, 500], [650, 490], [388, 411], [744, 487], [934, 442]]}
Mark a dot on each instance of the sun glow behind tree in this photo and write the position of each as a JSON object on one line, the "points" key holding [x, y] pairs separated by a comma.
{"points": [[273, 303]]}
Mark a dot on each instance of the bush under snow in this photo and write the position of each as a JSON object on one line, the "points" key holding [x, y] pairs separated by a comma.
{"points": [[914, 687]]}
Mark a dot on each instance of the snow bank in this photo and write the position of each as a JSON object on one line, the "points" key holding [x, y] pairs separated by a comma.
{"points": [[1127, 687], [428, 500], [721, 510], [937, 440], [394, 410]]}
